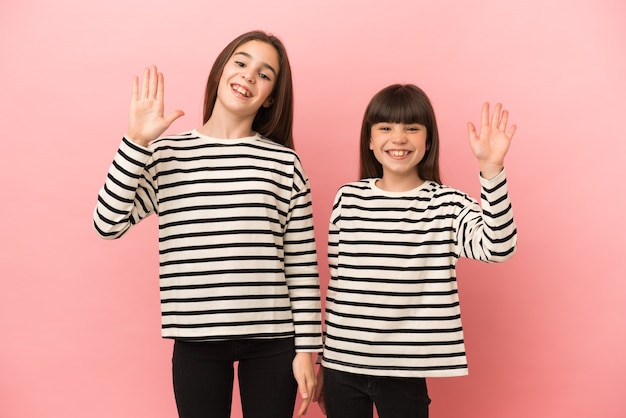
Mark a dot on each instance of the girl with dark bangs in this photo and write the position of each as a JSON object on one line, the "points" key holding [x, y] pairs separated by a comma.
{"points": [[405, 104], [392, 308]]}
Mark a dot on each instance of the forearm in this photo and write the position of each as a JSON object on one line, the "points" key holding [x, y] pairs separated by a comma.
{"points": [[116, 209], [499, 224], [302, 276]]}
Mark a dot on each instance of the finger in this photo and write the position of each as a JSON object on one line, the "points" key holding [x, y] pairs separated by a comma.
{"points": [[317, 394], [145, 83], [306, 387], [160, 91], [495, 118], [511, 131], [173, 116], [471, 131], [322, 404], [154, 78], [484, 120], [304, 406], [503, 120], [135, 94]]}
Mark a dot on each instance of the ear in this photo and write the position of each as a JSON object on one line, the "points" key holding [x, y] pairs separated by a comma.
{"points": [[268, 102], [371, 148]]}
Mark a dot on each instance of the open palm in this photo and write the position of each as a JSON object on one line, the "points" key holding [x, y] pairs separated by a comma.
{"points": [[146, 121], [491, 144]]}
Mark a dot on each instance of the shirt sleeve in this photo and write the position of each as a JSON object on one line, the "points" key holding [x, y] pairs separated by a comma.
{"points": [[301, 271], [488, 232], [333, 255], [128, 194]]}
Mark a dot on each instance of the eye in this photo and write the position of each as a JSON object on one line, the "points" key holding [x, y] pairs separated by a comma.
{"points": [[415, 128], [264, 76], [240, 64]]}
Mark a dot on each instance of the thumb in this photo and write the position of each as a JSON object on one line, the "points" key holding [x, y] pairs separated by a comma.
{"points": [[303, 388], [173, 116], [471, 131]]}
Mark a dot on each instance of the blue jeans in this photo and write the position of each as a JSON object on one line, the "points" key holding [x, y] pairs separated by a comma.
{"points": [[203, 374], [349, 395]]}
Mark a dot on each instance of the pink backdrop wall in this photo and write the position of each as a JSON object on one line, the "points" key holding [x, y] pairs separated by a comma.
{"points": [[546, 332]]}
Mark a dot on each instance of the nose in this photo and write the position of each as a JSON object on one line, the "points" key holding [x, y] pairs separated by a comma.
{"points": [[399, 137], [247, 77]]}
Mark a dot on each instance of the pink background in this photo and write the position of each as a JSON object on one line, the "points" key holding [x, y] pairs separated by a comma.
{"points": [[546, 332]]}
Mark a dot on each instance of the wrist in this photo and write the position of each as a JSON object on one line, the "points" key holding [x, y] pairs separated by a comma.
{"points": [[143, 143], [489, 171]]}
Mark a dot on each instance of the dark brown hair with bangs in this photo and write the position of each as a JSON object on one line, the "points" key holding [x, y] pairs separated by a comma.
{"points": [[400, 103], [276, 121]]}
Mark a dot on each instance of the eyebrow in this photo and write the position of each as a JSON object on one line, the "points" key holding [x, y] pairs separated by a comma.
{"points": [[266, 65]]}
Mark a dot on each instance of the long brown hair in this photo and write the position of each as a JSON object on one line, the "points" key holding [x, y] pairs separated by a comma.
{"points": [[276, 121], [400, 103]]}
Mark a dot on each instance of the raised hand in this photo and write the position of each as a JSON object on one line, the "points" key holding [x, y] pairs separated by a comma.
{"points": [[491, 144], [146, 121]]}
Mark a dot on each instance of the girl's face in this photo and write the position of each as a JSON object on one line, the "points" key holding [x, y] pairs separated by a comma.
{"points": [[248, 78], [399, 148]]}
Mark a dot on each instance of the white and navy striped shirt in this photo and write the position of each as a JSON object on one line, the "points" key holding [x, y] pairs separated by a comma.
{"points": [[392, 306], [236, 241]]}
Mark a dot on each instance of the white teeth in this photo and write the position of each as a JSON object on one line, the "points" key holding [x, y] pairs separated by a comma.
{"points": [[398, 153], [241, 91]]}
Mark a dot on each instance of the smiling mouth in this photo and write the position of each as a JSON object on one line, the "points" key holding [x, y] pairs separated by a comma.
{"points": [[241, 90], [398, 153]]}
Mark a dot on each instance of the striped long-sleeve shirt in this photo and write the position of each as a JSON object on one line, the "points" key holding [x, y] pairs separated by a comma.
{"points": [[392, 306], [236, 241]]}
